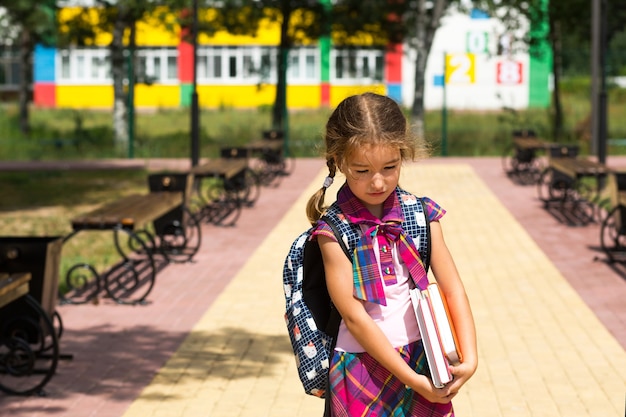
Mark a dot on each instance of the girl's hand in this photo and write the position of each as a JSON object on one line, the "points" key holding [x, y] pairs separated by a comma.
{"points": [[461, 373], [424, 387]]}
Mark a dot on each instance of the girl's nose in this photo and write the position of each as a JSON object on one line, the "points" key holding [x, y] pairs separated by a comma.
{"points": [[377, 182]]}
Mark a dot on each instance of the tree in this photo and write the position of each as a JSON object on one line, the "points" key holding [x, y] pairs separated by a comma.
{"points": [[570, 19], [424, 18], [28, 22], [298, 19], [412, 21], [119, 18]]}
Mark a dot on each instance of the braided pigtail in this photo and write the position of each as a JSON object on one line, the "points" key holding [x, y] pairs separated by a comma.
{"points": [[315, 207]]}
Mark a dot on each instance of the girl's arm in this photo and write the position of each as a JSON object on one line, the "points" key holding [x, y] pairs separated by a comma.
{"points": [[338, 269], [447, 276]]}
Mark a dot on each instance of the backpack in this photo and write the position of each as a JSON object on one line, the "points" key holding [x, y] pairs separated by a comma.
{"points": [[312, 320]]}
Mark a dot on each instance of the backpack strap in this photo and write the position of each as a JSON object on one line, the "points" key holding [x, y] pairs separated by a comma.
{"points": [[334, 320], [347, 236], [416, 223], [426, 255], [330, 222]]}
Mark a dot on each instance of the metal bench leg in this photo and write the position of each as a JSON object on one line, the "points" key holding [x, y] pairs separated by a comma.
{"points": [[613, 234], [29, 348], [82, 282], [181, 240], [131, 280]]}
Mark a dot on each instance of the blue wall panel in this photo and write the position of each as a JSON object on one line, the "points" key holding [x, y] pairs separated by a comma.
{"points": [[44, 64], [394, 91]]}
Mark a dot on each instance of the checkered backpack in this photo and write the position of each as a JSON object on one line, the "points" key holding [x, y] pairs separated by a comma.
{"points": [[312, 321]]}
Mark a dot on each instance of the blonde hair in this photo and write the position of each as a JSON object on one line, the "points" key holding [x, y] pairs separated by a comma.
{"points": [[360, 120]]}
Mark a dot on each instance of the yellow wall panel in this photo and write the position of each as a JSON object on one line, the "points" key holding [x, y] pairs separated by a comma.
{"points": [[215, 96], [304, 97], [211, 96], [67, 13], [160, 29], [157, 95], [250, 96], [338, 93], [268, 34], [84, 96]]}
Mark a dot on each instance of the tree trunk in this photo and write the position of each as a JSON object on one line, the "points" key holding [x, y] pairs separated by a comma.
{"points": [[280, 102], [557, 121], [120, 111], [426, 26], [26, 55]]}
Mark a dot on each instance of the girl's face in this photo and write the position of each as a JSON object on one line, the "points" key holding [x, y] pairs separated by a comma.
{"points": [[372, 173]]}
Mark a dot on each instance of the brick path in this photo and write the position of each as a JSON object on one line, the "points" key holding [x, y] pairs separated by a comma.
{"points": [[212, 341]]}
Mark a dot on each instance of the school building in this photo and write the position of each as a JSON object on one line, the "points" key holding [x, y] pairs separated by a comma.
{"points": [[471, 57]]}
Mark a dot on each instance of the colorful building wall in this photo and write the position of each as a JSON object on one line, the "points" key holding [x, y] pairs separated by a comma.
{"points": [[479, 73], [481, 69]]}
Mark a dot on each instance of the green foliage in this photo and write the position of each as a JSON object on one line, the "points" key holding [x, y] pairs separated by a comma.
{"points": [[38, 17], [81, 134]]}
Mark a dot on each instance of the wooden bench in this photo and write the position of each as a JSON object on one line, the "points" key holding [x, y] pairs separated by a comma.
{"points": [[132, 212], [221, 187], [564, 187], [263, 145], [577, 168], [520, 161], [272, 161], [530, 143], [13, 286], [29, 341], [613, 228], [131, 280], [223, 168]]}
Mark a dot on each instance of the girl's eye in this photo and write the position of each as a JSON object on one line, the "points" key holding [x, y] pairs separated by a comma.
{"points": [[361, 171], [390, 167]]}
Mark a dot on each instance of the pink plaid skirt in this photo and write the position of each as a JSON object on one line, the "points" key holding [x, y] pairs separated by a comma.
{"points": [[361, 387]]}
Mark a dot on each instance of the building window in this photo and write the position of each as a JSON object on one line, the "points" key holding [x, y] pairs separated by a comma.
{"points": [[352, 65], [235, 64], [10, 74], [65, 65], [302, 65], [209, 63], [157, 65], [232, 63], [84, 66], [268, 64]]}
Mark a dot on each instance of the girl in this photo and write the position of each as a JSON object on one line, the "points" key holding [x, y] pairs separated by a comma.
{"points": [[378, 367]]}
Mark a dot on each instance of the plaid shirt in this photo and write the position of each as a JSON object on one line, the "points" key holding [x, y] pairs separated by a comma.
{"points": [[368, 283]]}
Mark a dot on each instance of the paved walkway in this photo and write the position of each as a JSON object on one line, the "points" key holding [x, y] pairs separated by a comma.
{"points": [[551, 320]]}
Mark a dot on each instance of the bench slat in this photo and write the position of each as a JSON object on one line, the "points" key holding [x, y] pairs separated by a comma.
{"points": [[576, 167], [225, 168], [13, 286], [130, 212], [529, 143], [263, 144]]}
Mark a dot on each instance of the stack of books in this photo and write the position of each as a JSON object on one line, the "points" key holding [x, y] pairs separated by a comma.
{"points": [[438, 336]]}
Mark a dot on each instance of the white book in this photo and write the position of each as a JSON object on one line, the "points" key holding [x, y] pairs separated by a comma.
{"points": [[437, 361], [447, 334]]}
